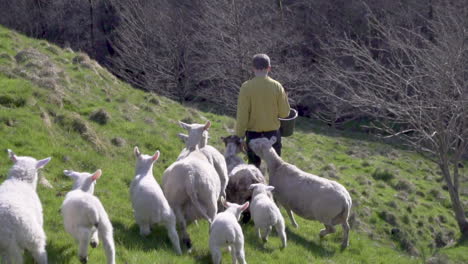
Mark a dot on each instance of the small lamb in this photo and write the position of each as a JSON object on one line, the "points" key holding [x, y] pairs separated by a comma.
{"points": [[150, 206], [225, 231], [21, 215], [265, 213], [308, 195], [84, 216]]}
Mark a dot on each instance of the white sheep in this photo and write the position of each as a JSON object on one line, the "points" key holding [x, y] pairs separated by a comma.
{"points": [[241, 175], [308, 195], [149, 203], [192, 188], [225, 231], [198, 134], [265, 213], [84, 216], [21, 215]]}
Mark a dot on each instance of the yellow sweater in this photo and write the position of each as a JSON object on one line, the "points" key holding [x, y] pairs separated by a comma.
{"points": [[261, 101]]}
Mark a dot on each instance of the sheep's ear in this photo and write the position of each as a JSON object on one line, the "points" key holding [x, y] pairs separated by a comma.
{"points": [[96, 175], [12, 155], [183, 137], [252, 186], [244, 206], [225, 203], [273, 140], [270, 188], [155, 156], [42, 163], [69, 173], [185, 126], [137, 152], [207, 125]]}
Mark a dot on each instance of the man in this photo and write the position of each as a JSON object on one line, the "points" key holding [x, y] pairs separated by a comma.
{"points": [[261, 102]]}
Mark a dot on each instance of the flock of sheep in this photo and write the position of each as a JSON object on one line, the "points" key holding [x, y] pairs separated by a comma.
{"points": [[196, 186]]}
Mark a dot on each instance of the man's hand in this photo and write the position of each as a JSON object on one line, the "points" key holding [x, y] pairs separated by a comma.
{"points": [[243, 145]]}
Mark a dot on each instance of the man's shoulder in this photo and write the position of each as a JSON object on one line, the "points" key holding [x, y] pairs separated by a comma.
{"points": [[273, 81]]}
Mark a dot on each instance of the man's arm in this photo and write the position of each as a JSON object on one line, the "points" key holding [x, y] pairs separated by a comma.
{"points": [[243, 111], [283, 103]]}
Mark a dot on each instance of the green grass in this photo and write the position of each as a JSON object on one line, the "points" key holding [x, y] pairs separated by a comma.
{"points": [[50, 116]]}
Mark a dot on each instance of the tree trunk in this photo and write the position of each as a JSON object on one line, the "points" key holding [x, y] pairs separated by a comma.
{"points": [[456, 204]]}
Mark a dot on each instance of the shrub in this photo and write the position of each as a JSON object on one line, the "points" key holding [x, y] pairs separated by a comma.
{"points": [[383, 175]]}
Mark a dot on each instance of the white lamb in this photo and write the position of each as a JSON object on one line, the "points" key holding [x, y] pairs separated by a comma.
{"points": [[84, 216], [198, 134], [308, 195], [21, 219], [265, 213], [149, 203], [225, 231], [241, 175], [192, 188]]}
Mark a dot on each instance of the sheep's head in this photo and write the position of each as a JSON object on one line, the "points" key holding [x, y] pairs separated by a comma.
{"points": [[195, 133], [235, 208], [261, 145], [25, 168], [83, 180], [145, 161], [203, 141], [259, 188], [233, 145]]}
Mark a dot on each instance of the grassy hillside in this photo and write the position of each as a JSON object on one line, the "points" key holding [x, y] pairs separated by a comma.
{"points": [[59, 103]]}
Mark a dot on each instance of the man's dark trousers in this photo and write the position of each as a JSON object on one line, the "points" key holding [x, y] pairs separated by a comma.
{"points": [[249, 135]]}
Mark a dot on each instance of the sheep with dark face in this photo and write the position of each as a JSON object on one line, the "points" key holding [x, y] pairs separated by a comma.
{"points": [[241, 175], [310, 196]]}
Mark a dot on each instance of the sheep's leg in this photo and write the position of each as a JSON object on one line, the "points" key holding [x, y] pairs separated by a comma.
{"points": [[291, 216], [266, 233], [233, 255], [345, 242], [39, 254], [145, 229], [94, 239], [239, 251], [183, 228], [14, 255], [216, 254], [173, 236], [259, 233], [329, 229], [84, 239], [280, 229]]}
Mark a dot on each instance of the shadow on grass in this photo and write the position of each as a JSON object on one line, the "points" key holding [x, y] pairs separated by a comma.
{"points": [[129, 237], [61, 254], [316, 249]]}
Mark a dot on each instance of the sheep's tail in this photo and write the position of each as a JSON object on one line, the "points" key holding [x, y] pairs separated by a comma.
{"points": [[105, 232], [343, 216], [192, 193]]}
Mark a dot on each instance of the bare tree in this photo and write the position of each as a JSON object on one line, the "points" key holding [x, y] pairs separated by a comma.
{"points": [[414, 78]]}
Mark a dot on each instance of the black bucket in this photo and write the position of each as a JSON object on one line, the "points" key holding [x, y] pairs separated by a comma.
{"points": [[287, 124]]}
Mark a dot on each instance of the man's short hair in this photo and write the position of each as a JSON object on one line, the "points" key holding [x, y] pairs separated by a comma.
{"points": [[261, 61]]}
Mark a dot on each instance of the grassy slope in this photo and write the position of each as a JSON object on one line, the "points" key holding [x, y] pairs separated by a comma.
{"points": [[47, 95]]}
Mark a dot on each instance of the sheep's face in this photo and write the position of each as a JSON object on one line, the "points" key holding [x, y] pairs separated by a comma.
{"points": [[259, 188], [195, 133], [25, 168], [261, 145], [233, 145], [83, 180], [235, 208], [145, 161]]}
